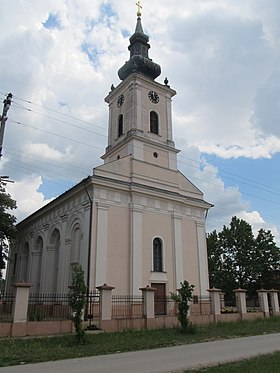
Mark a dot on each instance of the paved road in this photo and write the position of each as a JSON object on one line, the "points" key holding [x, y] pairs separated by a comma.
{"points": [[164, 360]]}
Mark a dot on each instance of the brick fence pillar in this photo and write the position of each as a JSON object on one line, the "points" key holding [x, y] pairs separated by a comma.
{"points": [[20, 307], [105, 313], [274, 302], [263, 300], [215, 299], [149, 302], [240, 296], [21, 302]]}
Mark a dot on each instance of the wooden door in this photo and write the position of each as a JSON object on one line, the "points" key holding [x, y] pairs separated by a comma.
{"points": [[160, 299]]}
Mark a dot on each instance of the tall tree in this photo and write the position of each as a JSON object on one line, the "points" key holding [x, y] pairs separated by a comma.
{"points": [[267, 259], [7, 224], [237, 259]]}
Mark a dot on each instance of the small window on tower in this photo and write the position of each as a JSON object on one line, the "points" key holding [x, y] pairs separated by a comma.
{"points": [[120, 125], [154, 122]]}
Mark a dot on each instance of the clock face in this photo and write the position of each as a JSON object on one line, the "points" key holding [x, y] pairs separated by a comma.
{"points": [[120, 100], [154, 97]]}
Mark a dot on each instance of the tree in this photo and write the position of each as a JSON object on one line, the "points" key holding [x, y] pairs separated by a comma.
{"points": [[267, 259], [7, 225], [182, 298], [237, 259], [77, 300]]}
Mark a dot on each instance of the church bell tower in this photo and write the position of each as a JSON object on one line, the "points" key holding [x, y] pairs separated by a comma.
{"points": [[140, 121]]}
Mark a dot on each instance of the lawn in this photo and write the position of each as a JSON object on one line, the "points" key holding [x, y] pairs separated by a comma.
{"points": [[266, 363], [33, 350]]}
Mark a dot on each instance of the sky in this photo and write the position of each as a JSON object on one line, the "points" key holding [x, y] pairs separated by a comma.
{"points": [[59, 59]]}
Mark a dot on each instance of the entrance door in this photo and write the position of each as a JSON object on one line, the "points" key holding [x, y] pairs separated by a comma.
{"points": [[160, 299]]}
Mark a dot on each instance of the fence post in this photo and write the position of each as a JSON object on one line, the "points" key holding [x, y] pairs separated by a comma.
{"points": [[222, 300], [20, 308], [105, 315], [215, 295], [263, 300], [240, 297], [149, 302], [21, 302], [274, 302], [149, 305]]}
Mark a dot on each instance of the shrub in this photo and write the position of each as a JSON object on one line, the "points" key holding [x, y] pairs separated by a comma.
{"points": [[182, 298], [77, 300]]}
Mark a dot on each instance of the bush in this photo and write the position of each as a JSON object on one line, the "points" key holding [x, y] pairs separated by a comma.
{"points": [[182, 298], [77, 300]]}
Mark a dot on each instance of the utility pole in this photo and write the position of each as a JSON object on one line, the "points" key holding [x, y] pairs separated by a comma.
{"points": [[7, 103]]}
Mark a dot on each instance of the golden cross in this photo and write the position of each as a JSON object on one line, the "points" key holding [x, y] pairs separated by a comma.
{"points": [[139, 13]]}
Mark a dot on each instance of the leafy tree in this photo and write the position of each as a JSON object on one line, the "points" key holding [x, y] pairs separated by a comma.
{"points": [[7, 224], [267, 259], [77, 300], [237, 259], [182, 298]]}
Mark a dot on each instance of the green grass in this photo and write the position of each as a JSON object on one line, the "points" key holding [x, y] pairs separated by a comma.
{"points": [[33, 350], [265, 363]]}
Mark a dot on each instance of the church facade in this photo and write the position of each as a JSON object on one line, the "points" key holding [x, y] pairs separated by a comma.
{"points": [[137, 220]]}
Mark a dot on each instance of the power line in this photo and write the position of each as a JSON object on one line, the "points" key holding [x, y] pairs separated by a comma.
{"points": [[53, 110], [59, 120], [69, 116], [231, 173], [193, 178], [55, 134], [192, 160], [45, 162]]}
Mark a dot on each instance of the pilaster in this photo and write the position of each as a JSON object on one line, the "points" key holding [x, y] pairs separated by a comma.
{"points": [[136, 248], [63, 260], [202, 258], [101, 243], [178, 249]]}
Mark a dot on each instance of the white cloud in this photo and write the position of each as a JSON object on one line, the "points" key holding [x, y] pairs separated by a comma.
{"points": [[43, 151], [25, 193], [261, 148], [257, 222], [221, 56]]}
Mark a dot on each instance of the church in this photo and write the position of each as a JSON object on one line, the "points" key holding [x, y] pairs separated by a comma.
{"points": [[137, 220]]}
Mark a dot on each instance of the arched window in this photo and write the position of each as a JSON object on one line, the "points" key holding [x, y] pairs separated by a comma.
{"points": [[157, 255], [55, 238], [120, 125], [39, 244], [36, 265], [53, 260], [154, 122], [75, 244], [24, 262]]}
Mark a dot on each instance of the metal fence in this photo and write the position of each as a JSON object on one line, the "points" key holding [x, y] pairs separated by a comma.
{"points": [[200, 305], [228, 304], [48, 307], [6, 307], [171, 307], [92, 309], [127, 306], [253, 304]]}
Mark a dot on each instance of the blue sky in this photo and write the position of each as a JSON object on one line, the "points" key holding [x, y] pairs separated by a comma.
{"points": [[59, 59]]}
